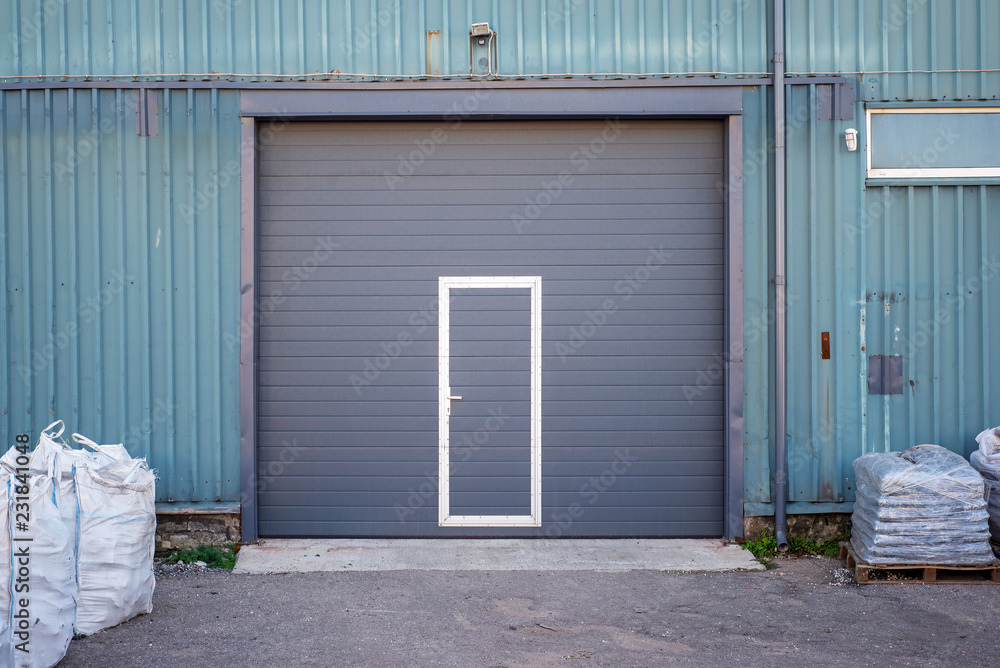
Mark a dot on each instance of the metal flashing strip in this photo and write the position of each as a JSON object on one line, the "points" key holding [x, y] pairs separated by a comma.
{"points": [[160, 82], [198, 508], [799, 508], [445, 284], [488, 101], [874, 182]]}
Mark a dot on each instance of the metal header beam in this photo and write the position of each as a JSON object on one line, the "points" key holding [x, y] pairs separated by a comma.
{"points": [[487, 101]]}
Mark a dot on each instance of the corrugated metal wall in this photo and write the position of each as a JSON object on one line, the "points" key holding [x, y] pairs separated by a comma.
{"points": [[899, 49], [119, 278], [824, 283], [853, 252], [244, 40], [887, 269], [758, 296], [933, 297], [878, 266], [882, 267]]}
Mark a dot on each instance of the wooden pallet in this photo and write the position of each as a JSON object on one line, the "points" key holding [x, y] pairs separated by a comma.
{"points": [[865, 573]]}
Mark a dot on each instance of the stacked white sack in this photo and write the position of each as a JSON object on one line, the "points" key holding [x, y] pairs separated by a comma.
{"points": [[986, 460], [921, 506], [45, 578], [117, 518], [91, 524], [6, 640]]}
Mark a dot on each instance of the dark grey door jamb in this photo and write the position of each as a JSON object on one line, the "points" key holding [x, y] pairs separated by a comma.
{"points": [[482, 102], [733, 364], [248, 329]]}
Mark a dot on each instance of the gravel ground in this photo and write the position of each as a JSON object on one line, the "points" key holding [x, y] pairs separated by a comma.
{"points": [[805, 612], [171, 570]]}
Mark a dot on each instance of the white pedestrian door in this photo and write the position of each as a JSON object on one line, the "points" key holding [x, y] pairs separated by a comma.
{"points": [[489, 401]]}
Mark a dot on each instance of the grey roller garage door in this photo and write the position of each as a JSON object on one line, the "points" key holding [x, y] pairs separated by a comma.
{"points": [[620, 224]]}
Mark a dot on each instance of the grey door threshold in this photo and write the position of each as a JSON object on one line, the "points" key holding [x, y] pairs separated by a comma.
{"points": [[299, 555]]}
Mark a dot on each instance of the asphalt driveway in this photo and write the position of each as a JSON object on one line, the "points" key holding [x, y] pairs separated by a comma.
{"points": [[801, 613]]}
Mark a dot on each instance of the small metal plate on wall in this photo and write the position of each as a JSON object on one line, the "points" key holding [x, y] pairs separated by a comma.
{"points": [[885, 374], [835, 102], [145, 113]]}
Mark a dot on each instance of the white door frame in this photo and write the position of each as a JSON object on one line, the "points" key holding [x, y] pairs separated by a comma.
{"points": [[445, 397]]}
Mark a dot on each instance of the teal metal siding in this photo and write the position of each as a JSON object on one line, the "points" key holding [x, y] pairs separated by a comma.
{"points": [[758, 296], [120, 278], [887, 270], [248, 40], [827, 227], [933, 297], [872, 264], [899, 49], [853, 251]]}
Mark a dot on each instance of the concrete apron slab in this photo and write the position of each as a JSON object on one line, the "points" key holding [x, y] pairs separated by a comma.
{"points": [[297, 555]]}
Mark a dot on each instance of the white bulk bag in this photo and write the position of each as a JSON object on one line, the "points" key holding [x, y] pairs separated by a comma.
{"points": [[52, 591], [102, 455], [44, 578], [117, 530], [53, 457], [5, 639]]}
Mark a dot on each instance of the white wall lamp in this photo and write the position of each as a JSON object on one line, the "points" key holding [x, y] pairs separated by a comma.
{"points": [[851, 137]]}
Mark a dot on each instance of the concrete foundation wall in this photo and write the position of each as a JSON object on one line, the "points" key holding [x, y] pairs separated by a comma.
{"points": [[819, 527], [183, 530]]}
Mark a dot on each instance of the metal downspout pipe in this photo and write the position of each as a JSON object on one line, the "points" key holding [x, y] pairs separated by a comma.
{"points": [[780, 446]]}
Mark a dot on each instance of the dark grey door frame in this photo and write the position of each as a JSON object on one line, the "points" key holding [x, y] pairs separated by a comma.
{"points": [[262, 110]]}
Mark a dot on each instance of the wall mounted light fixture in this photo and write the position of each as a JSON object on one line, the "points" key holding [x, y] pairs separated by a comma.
{"points": [[851, 137]]}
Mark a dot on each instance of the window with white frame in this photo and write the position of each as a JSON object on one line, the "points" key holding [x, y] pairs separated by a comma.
{"points": [[933, 143]]}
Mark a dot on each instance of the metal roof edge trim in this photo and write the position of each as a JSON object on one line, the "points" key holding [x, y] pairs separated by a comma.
{"points": [[798, 508], [420, 84]]}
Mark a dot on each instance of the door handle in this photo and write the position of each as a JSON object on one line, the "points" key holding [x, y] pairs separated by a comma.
{"points": [[454, 398]]}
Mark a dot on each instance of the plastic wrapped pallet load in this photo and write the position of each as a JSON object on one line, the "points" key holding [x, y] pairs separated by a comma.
{"points": [[921, 506], [986, 460]]}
